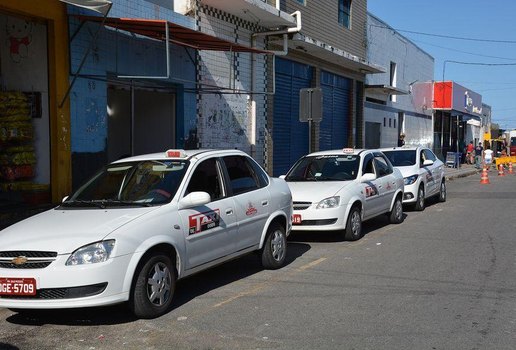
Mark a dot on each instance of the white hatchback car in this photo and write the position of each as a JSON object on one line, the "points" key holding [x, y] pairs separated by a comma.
{"points": [[423, 173], [337, 190], [140, 224]]}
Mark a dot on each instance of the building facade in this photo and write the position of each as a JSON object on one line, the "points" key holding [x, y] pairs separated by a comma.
{"points": [[390, 108]]}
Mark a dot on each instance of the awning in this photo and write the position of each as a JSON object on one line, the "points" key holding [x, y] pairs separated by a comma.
{"points": [[385, 90], [101, 6], [332, 54], [179, 35]]}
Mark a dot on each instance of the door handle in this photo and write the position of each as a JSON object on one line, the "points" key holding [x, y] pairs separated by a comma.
{"points": [[229, 211], [265, 203]]}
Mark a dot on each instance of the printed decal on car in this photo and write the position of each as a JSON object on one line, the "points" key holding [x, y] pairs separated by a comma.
{"points": [[371, 191], [251, 210], [203, 221]]}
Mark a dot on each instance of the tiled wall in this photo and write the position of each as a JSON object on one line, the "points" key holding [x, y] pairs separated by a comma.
{"points": [[225, 120]]}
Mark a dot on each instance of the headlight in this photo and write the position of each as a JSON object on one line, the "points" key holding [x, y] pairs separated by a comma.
{"points": [[91, 253], [410, 179], [330, 202]]}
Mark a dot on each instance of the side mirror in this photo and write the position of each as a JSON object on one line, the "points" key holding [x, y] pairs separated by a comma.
{"points": [[428, 162], [64, 199], [282, 177], [368, 177], [194, 199]]}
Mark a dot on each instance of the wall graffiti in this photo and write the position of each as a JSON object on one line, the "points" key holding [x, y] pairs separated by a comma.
{"points": [[19, 37]]}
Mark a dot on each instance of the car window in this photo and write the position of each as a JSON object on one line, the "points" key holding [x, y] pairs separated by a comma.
{"points": [[263, 178], [206, 178], [338, 167], [151, 182], [242, 176], [382, 166], [368, 164], [429, 155], [401, 157]]}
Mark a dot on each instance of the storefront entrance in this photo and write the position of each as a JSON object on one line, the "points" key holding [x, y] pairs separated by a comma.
{"points": [[25, 174]]}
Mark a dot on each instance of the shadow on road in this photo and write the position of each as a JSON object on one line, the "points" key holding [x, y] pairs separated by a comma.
{"points": [[186, 290]]}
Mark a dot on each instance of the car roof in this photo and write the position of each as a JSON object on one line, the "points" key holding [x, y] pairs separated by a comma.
{"points": [[180, 154], [345, 151], [402, 148]]}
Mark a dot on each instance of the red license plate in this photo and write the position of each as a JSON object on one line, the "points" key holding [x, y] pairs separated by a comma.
{"points": [[17, 286], [296, 219]]}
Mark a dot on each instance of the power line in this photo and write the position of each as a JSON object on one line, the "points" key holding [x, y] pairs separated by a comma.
{"points": [[466, 52], [447, 36]]}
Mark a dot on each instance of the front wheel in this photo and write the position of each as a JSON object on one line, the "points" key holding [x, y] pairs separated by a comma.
{"points": [[151, 295], [353, 230], [442, 192], [274, 251], [420, 200], [396, 215]]}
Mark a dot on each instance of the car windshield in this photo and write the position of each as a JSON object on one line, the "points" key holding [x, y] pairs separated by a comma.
{"points": [[401, 157], [325, 168], [142, 183]]}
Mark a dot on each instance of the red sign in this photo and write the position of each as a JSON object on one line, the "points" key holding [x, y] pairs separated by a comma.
{"points": [[296, 219], [17, 286]]}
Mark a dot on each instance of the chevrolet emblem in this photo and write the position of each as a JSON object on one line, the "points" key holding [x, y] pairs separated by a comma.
{"points": [[19, 260]]}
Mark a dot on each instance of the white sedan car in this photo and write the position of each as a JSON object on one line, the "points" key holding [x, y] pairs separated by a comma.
{"points": [[423, 173], [140, 224], [337, 190]]}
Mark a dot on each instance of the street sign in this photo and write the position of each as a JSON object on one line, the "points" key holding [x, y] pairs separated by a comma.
{"points": [[310, 105]]}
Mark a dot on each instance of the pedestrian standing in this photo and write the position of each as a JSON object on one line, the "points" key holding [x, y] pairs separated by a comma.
{"points": [[401, 140], [469, 152], [479, 150], [488, 157]]}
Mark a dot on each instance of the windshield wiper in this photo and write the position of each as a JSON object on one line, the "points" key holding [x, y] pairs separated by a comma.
{"points": [[83, 203], [126, 203]]}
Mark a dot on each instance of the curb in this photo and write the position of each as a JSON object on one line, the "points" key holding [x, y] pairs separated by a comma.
{"points": [[462, 174]]}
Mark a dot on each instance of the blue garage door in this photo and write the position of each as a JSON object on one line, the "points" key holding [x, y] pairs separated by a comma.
{"points": [[336, 111], [290, 136]]}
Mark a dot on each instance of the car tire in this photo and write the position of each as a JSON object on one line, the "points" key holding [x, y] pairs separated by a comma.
{"points": [[442, 191], [353, 229], [420, 199], [396, 214], [153, 287], [274, 251]]}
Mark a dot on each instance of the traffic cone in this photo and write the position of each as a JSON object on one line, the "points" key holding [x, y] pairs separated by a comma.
{"points": [[510, 168], [500, 170], [484, 179]]}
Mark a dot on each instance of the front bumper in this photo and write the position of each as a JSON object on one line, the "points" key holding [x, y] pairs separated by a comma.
{"points": [[331, 219], [59, 286], [410, 193]]}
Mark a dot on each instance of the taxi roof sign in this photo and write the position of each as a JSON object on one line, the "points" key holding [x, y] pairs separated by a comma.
{"points": [[348, 150], [175, 153]]}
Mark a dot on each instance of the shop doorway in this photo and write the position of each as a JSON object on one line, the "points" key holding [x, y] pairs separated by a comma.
{"points": [[24, 114], [373, 134], [140, 120]]}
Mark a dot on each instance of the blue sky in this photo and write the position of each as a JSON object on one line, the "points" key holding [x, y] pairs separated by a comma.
{"points": [[489, 20]]}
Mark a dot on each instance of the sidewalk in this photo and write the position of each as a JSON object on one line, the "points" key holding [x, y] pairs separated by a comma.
{"points": [[463, 171]]}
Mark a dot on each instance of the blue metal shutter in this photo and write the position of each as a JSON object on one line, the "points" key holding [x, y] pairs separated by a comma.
{"points": [[334, 128], [290, 136]]}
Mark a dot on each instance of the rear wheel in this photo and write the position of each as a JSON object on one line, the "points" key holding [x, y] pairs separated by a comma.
{"points": [[274, 250], [353, 225], [396, 214], [420, 200], [151, 295]]}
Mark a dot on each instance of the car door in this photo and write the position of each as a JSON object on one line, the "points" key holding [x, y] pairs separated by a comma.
{"points": [[371, 189], [437, 170], [387, 181], [247, 183], [427, 174], [209, 229]]}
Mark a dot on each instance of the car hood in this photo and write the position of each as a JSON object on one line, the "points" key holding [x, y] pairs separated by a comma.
{"points": [[407, 170], [312, 191], [66, 230]]}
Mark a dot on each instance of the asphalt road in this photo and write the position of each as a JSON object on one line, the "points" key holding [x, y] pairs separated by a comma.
{"points": [[443, 279]]}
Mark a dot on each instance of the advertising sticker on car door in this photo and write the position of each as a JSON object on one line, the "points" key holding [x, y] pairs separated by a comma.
{"points": [[203, 221]]}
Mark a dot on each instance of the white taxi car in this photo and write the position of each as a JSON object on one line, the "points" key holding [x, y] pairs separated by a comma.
{"points": [[337, 190], [423, 173], [140, 224]]}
